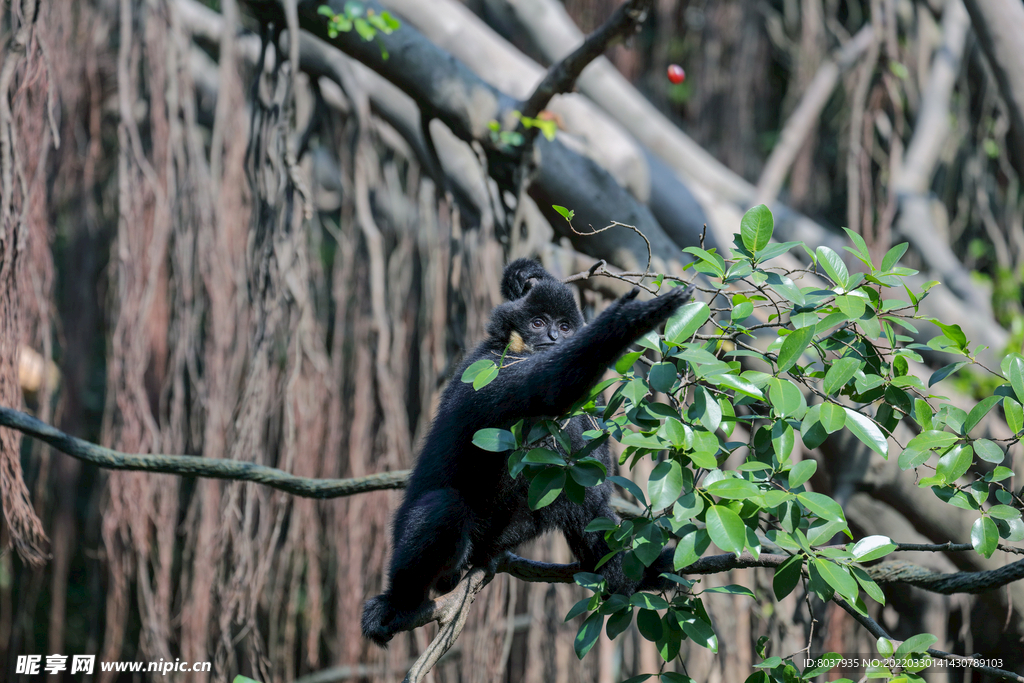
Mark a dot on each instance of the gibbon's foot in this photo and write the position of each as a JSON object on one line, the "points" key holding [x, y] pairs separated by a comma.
{"points": [[382, 620]]}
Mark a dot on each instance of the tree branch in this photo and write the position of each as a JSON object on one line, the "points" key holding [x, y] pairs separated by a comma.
{"points": [[561, 77], [877, 631], [197, 466]]}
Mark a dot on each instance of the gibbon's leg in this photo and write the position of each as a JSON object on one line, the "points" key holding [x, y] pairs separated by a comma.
{"points": [[431, 545]]}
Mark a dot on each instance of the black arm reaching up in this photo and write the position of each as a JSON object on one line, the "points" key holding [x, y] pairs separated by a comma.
{"points": [[548, 383]]}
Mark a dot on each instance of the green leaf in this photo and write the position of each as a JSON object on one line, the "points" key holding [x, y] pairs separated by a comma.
{"points": [[861, 247], [588, 473], [773, 250], [832, 417], [738, 383], [545, 487], [638, 679], [932, 439], [733, 489], [834, 266], [470, 374], [1014, 414], [726, 528], [811, 430], [955, 463], [715, 262], [494, 440], [1016, 377], [822, 506], [866, 430], [741, 310], [944, 372], [841, 371], [984, 536], [648, 544], [785, 397], [678, 434], [588, 634], [691, 547], [625, 363], [989, 451], [952, 333], [601, 524], [979, 411], [872, 548], [893, 256], [590, 581], [706, 409], [662, 376], [485, 377], [801, 472], [793, 346], [619, 622], [699, 631], [579, 608], [851, 305], [731, 589], [912, 458], [786, 288], [564, 212], [919, 643], [649, 624], [867, 585], [1004, 512], [787, 576], [756, 228], [686, 321], [838, 577], [705, 449], [665, 484], [822, 531], [543, 456], [673, 677], [630, 486], [648, 601]]}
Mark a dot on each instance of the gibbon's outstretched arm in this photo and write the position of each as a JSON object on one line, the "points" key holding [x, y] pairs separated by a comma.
{"points": [[547, 384]]}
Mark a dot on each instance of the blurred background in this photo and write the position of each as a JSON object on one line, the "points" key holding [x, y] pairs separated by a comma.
{"points": [[205, 253]]}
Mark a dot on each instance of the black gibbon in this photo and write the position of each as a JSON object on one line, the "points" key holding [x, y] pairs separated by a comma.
{"points": [[461, 507]]}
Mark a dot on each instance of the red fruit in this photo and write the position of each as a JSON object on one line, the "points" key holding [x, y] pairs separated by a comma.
{"points": [[676, 74]]}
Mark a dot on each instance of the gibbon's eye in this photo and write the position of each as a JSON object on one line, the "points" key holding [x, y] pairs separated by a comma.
{"points": [[537, 323], [564, 327]]}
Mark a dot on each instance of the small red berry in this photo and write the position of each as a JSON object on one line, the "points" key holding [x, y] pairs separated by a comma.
{"points": [[676, 74]]}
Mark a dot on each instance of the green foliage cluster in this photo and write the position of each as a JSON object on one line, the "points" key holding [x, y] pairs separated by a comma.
{"points": [[364, 20], [840, 360], [513, 138]]}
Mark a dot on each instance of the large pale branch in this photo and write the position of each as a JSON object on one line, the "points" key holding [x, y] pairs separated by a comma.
{"points": [[803, 122], [1000, 25], [919, 165]]}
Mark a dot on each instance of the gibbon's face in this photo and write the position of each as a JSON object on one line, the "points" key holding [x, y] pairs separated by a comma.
{"points": [[543, 331]]}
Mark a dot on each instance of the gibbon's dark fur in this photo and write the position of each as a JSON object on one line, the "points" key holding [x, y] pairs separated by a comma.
{"points": [[461, 507]]}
